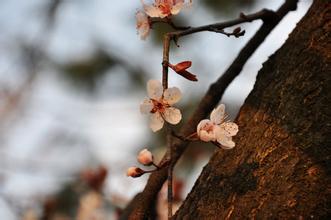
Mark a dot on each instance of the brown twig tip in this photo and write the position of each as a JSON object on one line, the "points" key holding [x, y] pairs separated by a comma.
{"points": [[236, 32], [175, 39]]}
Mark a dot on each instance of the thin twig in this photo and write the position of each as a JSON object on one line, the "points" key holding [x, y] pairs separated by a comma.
{"points": [[166, 46], [265, 15], [156, 166], [138, 208], [170, 176]]}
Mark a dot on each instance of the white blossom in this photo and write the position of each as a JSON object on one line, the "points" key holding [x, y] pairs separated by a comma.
{"points": [[159, 105], [217, 130]]}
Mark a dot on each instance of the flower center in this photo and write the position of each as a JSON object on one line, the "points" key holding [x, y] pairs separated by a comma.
{"points": [[159, 106], [165, 8], [208, 127]]}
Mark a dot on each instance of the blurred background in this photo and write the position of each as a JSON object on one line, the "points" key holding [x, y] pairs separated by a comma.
{"points": [[72, 76]]}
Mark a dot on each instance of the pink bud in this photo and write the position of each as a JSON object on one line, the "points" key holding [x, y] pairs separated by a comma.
{"points": [[134, 172], [145, 157]]}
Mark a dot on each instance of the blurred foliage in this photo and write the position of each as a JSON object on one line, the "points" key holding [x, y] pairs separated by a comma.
{"points": [[67, 201], [86, 73]]}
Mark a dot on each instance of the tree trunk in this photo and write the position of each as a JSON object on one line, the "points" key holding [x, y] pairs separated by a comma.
{"points": [[280, 168]]}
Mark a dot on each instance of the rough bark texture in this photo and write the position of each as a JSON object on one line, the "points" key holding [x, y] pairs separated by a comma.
{"points": [[281, 167]]}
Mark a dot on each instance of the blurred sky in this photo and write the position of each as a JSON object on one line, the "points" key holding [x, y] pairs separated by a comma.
{"points": [[59, 129]]}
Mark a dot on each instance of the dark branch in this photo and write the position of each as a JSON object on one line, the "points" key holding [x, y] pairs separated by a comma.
{"points": [[169, 22]]}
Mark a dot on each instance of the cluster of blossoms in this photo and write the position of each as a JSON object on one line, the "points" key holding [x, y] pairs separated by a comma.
{"points": [[159, 106], [158, 9], [145, 157]]}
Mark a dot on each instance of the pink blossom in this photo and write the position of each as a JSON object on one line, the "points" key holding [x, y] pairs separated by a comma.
{"points": [[216, 129]]}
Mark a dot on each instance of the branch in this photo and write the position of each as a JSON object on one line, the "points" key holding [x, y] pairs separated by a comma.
{"points": [[170, 174], [138, 208], [168, 21], [265, 15]]}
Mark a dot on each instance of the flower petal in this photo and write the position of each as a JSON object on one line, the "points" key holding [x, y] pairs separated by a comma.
{"points": [[172, 95], [141, 18], [177, 7], [146, 106], [206, 136], [152, 11], [217, 115], [154, 89], [230, 128], [225, 141], [144, 32], [143, 25], [203, 123], [207, 130], [156, 122], [172, 115]]}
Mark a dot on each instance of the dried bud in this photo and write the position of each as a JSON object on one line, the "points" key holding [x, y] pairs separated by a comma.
{"points": [[145, 157], [181, 67], [135, 172]]}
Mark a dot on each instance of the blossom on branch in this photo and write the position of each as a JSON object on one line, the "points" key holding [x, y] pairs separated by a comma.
{"points": [[159, 105], [143, 24], [217, 130], [164, 8], [145, 157]]}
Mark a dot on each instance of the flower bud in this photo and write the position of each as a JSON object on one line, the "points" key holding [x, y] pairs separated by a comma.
{"points": [[134, 172], [145, 157]]}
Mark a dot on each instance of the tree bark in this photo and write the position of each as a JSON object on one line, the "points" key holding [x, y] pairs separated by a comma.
{"points": [[281, 167]]}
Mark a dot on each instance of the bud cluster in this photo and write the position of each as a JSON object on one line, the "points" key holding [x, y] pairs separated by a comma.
{"points": [[145, 157]]}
